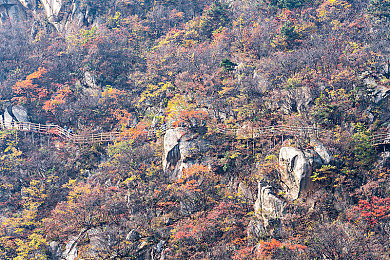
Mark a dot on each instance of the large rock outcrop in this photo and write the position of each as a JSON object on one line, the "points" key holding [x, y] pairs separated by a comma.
{"points": [[268, 206], [322, 151], [62, 14], [295, 171], [269, 211], [14, 114], [65, 13], [296, 166], [11, 11], [181, 150]]}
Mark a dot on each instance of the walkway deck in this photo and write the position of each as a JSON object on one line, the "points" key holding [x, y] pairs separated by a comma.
{"points": [[245, 132]]}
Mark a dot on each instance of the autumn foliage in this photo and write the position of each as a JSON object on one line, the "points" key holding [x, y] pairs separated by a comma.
{"points": [[208, 68]]}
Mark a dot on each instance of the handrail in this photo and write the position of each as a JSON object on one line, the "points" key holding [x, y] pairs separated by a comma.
{"points": [[245, 132]]}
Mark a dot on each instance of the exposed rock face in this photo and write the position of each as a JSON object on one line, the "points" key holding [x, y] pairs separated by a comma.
{"points": [[379, 92], [11, 11], [55, 250], [28, 3], [65, 13], [297, 166], [70, 252], [133, 236], [295, 171], [268, 206], [244, 192], [62, 14], [269, 210], [262, 84], [322, 151], [98, 242], [52, 8], [181, 150], [384, 160], [294, 99], [20, 113], [256, 229], [14, 114], [7, 118]]}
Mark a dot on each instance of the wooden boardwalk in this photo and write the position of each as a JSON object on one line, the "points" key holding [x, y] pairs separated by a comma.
{"points": [[245, 132]]}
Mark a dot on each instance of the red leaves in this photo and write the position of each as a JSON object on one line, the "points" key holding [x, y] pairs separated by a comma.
{"points": [[372, 211]]}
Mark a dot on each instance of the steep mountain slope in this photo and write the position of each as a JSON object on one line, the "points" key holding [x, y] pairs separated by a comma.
{"points": [[264, 113]]}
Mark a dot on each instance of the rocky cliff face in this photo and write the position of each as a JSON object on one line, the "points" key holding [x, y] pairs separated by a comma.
{"points": [[181, 150], [66, 13], [295, 168], [13, 114], [62, 14], [12, 11]]}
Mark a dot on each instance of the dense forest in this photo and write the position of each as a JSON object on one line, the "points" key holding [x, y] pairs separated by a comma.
{"points": [[193, 71]]}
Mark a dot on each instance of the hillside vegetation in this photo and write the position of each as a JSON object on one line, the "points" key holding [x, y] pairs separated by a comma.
{"points": [[193, 67]]}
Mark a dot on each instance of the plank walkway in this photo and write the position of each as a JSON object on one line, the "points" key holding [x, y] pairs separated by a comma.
{"points": [[245, 132]]}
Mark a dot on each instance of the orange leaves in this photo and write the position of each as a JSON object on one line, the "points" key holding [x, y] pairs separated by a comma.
{"points": [[112, 106], [191, 117], [267, 248], [188, 230], [189, 180], [140, 131], [245, 252], [30, 89], [181, 111], [58, 99], [194, 170], [167, 204], [112, 93]]}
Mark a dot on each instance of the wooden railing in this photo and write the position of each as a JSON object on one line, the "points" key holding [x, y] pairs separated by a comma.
{"points": [[382, 138], [268, 131], [245, 132]]}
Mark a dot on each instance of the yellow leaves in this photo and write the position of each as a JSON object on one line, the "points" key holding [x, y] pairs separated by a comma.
{"points": [[271, 157], [83, 37], [234, 155], [12, 151], [226, 90], [305, 27], [112, 93], [325, 172], [35, 192], [131, 179], [177, 104], [174, 35], [32, 247], [353, 47], [78, 191], [71, 183], [155, 92], [330, 8]]}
